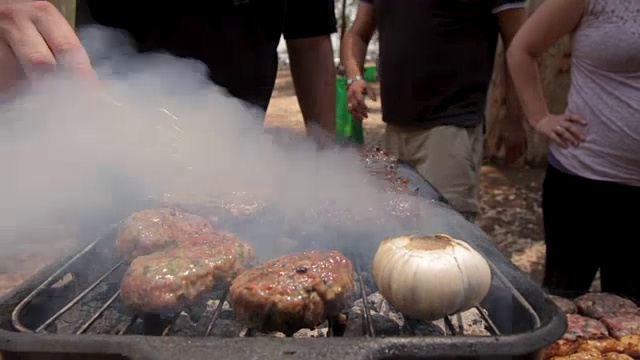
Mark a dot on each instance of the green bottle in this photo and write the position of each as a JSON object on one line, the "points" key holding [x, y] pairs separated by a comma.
{"points": [[347, 128]]}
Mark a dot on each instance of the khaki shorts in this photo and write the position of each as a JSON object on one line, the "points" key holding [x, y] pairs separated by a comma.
{"points": [[449, 157]]}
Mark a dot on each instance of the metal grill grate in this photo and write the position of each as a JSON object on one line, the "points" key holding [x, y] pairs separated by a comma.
{"points": [[154, 321]]}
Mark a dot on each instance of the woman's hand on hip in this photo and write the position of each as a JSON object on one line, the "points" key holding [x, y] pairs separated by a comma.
{"points": [[35, 38], [565, 130]]}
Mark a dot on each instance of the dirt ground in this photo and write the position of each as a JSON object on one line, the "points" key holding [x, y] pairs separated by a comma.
{"points": [[510, 199]]}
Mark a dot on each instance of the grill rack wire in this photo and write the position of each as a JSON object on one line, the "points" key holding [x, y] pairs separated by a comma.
{"points": [[152, 320]]}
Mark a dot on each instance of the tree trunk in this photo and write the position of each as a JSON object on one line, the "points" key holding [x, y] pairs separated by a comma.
{"points": [[67, 8], [555, 76], [343, 20]]}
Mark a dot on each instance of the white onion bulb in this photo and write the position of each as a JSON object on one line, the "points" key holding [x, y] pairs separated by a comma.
{"points": [[430, 277]]}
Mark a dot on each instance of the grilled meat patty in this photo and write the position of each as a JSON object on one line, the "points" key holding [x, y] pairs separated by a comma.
{"points": [[623, 325], [167, 281], [599, 305], [293, 292], [580, 327], [151, 230]]}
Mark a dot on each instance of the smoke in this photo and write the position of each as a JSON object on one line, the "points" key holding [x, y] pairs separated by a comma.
{"points": [[74, 159]]}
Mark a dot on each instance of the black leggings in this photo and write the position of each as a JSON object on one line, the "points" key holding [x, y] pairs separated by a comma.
{"points": [[590, 225]]}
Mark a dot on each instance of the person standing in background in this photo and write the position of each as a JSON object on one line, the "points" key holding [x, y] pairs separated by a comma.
{"points": [[236, 39], [594, 162], [438, 61]]}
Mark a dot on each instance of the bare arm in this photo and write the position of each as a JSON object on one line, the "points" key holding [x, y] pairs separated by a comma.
{"points": [[356, 40], [314, 79], [307, 27], [551, 21], [510, 22]]}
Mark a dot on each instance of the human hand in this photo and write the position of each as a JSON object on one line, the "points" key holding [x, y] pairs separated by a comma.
{"points": [[355, 98], [34, 39], [565, 130]]}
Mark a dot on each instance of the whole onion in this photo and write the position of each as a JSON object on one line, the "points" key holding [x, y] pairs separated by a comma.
{"points": [[430, 277]]}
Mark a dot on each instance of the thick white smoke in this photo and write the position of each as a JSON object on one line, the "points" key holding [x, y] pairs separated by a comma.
{"points": [[74, 159]]}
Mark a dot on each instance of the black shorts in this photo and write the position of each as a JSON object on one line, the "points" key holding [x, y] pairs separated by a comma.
{"points": [[590, 225]]}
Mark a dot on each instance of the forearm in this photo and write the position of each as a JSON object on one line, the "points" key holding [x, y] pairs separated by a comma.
{"points": [[353, 54], [314, 78], [526, 80]]}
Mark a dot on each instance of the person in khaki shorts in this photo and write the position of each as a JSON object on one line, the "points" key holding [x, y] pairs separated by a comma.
{"points": [[436, 62], [448, 156]]}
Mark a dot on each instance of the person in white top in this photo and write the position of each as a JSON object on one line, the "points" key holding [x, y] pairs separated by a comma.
{"points": [[593, 174]]}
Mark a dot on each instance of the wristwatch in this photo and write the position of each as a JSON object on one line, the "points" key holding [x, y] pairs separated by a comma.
{"points": [[352, 80]]}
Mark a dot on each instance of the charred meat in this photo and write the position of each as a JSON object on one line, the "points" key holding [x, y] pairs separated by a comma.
{"points": [[580, 327], [153, 230], [167, 281], [599, 305], [293, 292], [622, 325]]}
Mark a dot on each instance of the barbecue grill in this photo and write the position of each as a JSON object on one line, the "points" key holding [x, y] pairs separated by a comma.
{"points": [[71, 309]]}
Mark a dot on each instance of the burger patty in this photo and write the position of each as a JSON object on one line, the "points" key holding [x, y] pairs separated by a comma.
{"points": [[158, 229], [599, 305], [293, 292], [622, 325], [580, 327], [167, 281]]}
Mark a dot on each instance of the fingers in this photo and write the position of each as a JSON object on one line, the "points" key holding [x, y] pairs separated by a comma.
{"points": [[574, 132], [40, 38], [356, 105], [10, 69], [358, 110], [569, 129], [558, 139], [371, 93], [569, 134], [355, 95], [576, 119], [27, 44], [567, 138], [565, 130], [61, 39]]}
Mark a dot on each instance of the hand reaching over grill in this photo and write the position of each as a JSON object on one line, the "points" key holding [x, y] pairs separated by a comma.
{"points": [[35, 37]]}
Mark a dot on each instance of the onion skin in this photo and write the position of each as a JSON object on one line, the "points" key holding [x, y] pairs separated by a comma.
{"points": [[430, 277]]}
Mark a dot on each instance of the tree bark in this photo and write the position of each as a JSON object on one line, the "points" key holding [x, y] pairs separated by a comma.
{"points": [[554, 67], [343, 20], [67, 8]]}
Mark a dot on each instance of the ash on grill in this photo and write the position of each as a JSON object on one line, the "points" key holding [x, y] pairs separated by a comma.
{"points": [[100, 311], [383, 166]]}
